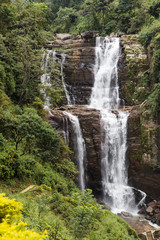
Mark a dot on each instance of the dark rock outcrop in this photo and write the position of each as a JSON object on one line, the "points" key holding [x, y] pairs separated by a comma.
{"points": [[78, 70], [78, 67]]}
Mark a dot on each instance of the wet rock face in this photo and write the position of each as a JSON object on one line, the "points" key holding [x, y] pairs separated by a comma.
{"points": [[90, 125], [144, 169], [78, 66], [78, 70], [133, 70]]}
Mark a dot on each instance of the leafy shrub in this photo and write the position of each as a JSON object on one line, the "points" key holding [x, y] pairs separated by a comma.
{"points": [[84, 214], [18, 231], [2, 140], [154, 100], [7, 170], [10, 225], [156, 66], [9, 209], [149, 32]]}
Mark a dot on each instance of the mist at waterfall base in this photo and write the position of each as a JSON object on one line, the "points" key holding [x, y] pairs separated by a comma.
{"points": [[117, 194]]}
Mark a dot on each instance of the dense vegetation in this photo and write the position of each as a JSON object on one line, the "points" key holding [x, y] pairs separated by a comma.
{"points": [[25, 158]]}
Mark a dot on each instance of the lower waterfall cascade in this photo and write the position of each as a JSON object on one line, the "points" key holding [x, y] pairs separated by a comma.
{"points": [[79, 148]]}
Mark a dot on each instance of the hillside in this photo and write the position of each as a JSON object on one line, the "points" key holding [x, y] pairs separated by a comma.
{"points": [[32, 152]]}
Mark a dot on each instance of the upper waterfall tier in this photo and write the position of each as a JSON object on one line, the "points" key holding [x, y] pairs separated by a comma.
{"points": [[105, 93]]}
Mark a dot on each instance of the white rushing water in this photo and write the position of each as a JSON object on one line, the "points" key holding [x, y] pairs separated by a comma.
{"points": [[105, 97], [79, 147], [105, 93], [63, 58], [66, 130], [48, 58]]}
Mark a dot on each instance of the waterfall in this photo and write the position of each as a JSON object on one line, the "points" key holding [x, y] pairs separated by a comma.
{"points": [[79, 147], [65, 130], [48, 58], [105, 97], [116, 191], [63, 58], [79, 144], [105, 93]]}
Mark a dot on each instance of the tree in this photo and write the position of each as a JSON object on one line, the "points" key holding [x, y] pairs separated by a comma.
{"points": [[125, 12], [31, 133], [65, 17], [97, 9], [23, 36], [154, 10]]}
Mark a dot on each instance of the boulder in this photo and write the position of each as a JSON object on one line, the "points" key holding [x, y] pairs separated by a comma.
{"points": [[152, 204], [126, 214], [88, 34], [149, 210], [64, 36]]}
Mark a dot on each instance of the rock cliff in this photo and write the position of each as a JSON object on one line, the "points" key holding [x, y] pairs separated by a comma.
{"points": [[143, 134], [133, 71], [143, 131], [143, 152], [78, 67]]}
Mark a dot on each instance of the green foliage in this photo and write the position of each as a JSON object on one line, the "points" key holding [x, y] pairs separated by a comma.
{"points": [[156, 66], [2, 141], [25, 127], [154, 101], [150, 38], [10, 225], [149, 32], [25, 153], [9, 209], [127, 15], [86, 219], [21, 39], [65, 17], [84, 214], [154, 10], [39, 106]]}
